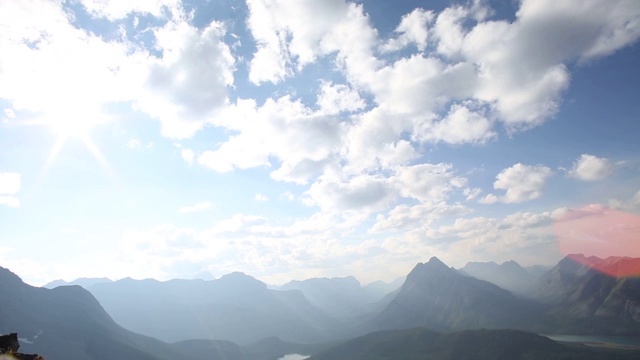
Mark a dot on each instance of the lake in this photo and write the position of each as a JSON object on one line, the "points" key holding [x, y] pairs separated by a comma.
{"points": [[617, 340], [294, 357]]}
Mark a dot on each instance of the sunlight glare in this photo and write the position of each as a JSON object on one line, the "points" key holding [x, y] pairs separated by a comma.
{"points": [[77, 124]]}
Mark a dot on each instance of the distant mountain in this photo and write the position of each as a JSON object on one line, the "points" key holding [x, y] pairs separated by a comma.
{"points": [[379, 289], [339, 297], [509, 275], [68, 323], [424, 344], [236, 307], [586, 299], [538, 270], [84, 282], [441, 298]]}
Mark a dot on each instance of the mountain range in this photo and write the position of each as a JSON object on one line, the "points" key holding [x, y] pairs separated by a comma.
{"points": [[343, 297], [509, 275], [236, 307], [240, 317]]}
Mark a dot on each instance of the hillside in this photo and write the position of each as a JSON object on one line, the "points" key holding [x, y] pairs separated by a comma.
{"points": [[424, 344], [586, 299], [68, 323]]}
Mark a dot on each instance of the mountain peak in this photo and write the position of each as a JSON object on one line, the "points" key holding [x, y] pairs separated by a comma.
{"points": [[238, 278], [431, 267], [512, 266], [435, 263]]}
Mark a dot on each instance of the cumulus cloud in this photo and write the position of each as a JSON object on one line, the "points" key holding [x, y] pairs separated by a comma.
{"points": [[480, 74], [425, 183], [462, 126], [291, 35], [260, 197], [187, 155], [521, 183], [48, 65], [182, 86], [404, 217], [118, 9], [302, 140], [10, 184], [363, 193], [412, 30], [334, 99], [188, 84], [591, 168]]}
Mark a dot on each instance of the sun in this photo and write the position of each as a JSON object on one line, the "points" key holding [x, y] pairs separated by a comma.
{"points": [[76, 125], [70, 129]]}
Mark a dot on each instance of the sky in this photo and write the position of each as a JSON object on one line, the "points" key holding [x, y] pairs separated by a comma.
{"points": [[296, 139]]}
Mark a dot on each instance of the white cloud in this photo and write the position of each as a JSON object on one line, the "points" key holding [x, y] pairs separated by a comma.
{"points": [[373, 141], [591, 168], [427, 182], [486, 77], [118, 9], [587, 29], [362, 193], [528, 219], [291, 35], [461, 126], [525, 89], [9, 186], [201, 206], [187, 155], [305, 142], [366, 193], [449, 30], [48, 64], [521, 183], [260, 197], [334, 99], [188, 84], [412, 30], [408, 218], [289, 196]]}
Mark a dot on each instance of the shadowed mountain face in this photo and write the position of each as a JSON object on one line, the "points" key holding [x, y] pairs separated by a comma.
{"points": [[235, 307], [68, 323], [424, 344], [441, 298], [585, 299]]}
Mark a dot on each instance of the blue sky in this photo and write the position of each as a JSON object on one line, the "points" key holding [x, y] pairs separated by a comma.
{"points": [[297, 139]]}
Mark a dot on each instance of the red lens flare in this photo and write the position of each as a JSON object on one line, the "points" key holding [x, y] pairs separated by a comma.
{"points": [[609, 239]]}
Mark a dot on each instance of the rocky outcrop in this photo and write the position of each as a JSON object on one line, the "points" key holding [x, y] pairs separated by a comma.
{"points": [[9, 345]]}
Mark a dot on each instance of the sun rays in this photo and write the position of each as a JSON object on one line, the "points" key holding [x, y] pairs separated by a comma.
{"points": [[77, 127]]}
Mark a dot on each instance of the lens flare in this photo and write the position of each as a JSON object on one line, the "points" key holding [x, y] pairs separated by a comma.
{"points": [[609, 239]]}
